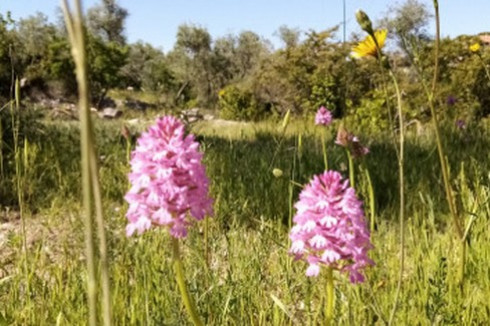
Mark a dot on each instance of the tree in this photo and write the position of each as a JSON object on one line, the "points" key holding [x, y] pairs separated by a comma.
{"points": [[105, 61], [407, 23], [147, 68], [106, 20], [289, 36], [303, 77], [60, 68], [249, 50], [9, 47], [35, 34], [191, 61], [138, 55], [223, 60]]}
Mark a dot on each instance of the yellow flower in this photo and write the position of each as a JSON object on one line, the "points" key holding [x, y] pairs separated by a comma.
{"points": [[368, 47], [475, 47], [221, 92]]}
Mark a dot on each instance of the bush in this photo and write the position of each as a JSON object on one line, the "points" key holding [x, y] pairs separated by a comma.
{"points": [[322, 93], [371, 115], [26, 123], [236, 103]]}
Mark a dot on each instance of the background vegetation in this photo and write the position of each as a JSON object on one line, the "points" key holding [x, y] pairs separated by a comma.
{"points": [[251, 280], [242, 76]]}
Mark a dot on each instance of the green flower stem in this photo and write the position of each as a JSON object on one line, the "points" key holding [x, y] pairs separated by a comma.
{"points": [[400, 154], [330, 298], [402, 195], [206, 252], [324, 147], [385, 66], [90, 179], [99, 218], [372, 207], [382, 68], [75, 32], [351, 168], [444, 166], [442, 157], [179, 275], [128, 149], [206, 249]]}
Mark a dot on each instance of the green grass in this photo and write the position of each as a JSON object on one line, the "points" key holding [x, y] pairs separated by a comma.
{"points": [[251, 280]]}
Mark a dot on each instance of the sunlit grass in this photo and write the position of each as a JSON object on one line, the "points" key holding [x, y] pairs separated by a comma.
{"points": [[251, 280]]}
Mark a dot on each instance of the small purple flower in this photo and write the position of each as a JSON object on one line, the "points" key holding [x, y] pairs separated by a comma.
{"points": [[330, 229], [460, 124], [168, 181], [451, 100], [323, 117]]}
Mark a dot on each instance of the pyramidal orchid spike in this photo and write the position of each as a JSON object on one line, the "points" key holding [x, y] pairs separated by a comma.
{"points": [[169, 186], [329, 227]]}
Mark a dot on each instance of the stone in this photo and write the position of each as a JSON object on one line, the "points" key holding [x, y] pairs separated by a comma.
{"points": [[110, 113]]}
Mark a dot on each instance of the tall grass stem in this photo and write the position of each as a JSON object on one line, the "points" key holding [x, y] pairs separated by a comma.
{"points": [[99, 218], [179, 275], [401, 177], [372, 199], [324, 148], [352, 177], [19, 182], [76, 33], [329, 305]]}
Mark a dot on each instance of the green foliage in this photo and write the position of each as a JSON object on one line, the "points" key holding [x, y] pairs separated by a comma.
{"points": [[239, 104], [251, 277], [59, 66], [462, 78], [8, 46], [147, 67], [106, 20], [191, 61], [28, 128], [309, 75], [35, 35], [38, 51], [407, 22], [105, 60], [203, 67], [104, 63], [289, 36], [311, 70], [481, 90], [323, 92], [371, 115], [437, 307]]}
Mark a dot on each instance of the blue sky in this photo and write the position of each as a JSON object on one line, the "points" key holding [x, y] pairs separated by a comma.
{"points": [[156, 21]]}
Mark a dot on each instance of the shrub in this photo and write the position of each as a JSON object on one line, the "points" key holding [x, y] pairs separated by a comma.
{"points": [[240, 104], [371, 115]]}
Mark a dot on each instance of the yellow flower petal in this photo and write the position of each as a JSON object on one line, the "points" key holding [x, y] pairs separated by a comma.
{"points": [[475, 47], [368, 47]]}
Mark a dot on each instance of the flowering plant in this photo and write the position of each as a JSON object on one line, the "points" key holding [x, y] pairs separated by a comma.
{"points": [[169, 186], [330, 229], [351, 142], [323, 117]]}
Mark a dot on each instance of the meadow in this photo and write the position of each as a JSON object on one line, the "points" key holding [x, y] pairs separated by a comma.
{"points": [[251, 279], [373, 212]]}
